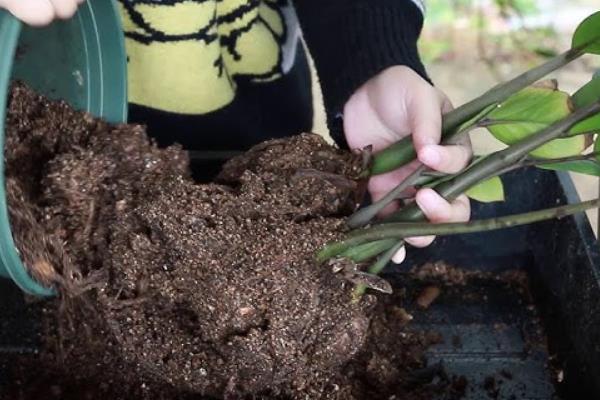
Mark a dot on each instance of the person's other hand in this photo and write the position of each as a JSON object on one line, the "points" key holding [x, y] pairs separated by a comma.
{"points": [[41, 12], [394, 104]]}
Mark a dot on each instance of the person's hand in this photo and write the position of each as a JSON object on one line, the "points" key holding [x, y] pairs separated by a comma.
{"points": [[390, 106], [40, 12]]}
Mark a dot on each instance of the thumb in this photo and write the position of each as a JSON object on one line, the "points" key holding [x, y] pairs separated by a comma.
{"points": [[425, 117], [31, 12]]}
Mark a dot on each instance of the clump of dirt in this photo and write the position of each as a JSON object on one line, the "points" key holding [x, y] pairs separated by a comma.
{"points": [[389, 363], [168, 286], [68, 178]]}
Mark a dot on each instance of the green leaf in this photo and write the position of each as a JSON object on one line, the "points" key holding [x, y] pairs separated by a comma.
{"points": [[560, 148], [585, 96], [587, 35], [542, 103], [531, 110], [488, 191], [587, 167]]}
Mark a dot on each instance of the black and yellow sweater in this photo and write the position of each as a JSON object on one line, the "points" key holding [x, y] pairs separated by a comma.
{"points": [[225, 74]]}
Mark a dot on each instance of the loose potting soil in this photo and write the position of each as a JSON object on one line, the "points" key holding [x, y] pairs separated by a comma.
{"points": [[173, 289]]}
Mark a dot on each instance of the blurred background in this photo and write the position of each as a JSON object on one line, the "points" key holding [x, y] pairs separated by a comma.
{"points": [[470, 45]]}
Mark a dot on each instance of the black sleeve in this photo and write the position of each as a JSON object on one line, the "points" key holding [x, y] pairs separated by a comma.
{"points": [[353, 40]]}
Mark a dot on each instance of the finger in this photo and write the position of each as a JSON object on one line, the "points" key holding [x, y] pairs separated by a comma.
{"points": [[64, 9], [464, 140], [447, 105], [381, 185], [32, 12], [448, 159], [425, 117], [438, 210], [400, 256], [420, 241]]}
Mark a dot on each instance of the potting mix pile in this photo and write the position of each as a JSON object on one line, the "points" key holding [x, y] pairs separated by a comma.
{"points": [[173, 289]]}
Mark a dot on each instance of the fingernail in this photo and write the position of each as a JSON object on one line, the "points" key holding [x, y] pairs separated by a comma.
{"points": [[430, 155], [420, 241], [399, 256]]}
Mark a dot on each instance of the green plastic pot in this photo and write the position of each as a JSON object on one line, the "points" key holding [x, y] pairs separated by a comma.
{"points": [[82, 61]]}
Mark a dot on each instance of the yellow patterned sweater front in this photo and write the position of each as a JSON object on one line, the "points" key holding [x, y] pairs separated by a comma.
{"points": [[185, 55]]}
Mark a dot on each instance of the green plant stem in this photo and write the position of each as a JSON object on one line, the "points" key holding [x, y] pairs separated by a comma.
{"points": [[364, 215], [395, 156], [432, 174], [528, 162], [403, 152], [379, 265], [431, 178], [501, 92], [366, 251], [496, 162], [402, 230], [492, 165]]}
